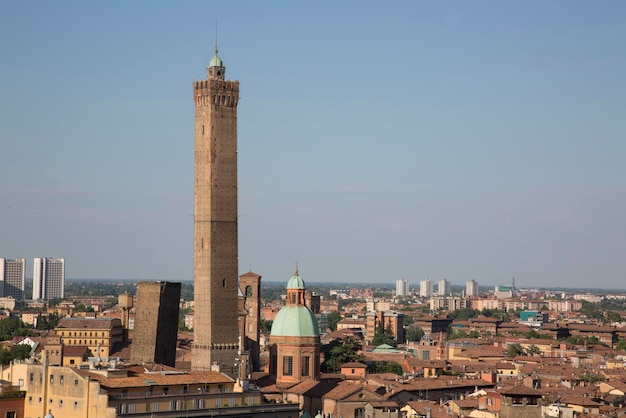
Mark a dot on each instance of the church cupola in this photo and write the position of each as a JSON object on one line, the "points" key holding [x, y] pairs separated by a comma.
{"points": [[295, 290], [216, 69]]}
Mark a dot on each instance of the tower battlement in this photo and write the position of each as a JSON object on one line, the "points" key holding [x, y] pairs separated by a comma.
{"points": [[216, 92]]}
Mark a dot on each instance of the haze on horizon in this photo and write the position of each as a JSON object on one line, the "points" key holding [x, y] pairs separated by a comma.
{"points": [[377, 141]]}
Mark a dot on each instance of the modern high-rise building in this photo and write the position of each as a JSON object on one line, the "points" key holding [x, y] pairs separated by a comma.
{"points": [[48, 278], [12, 278], [215, 222], [402, 287], [471, 288], [443, 287], [426, 288]]}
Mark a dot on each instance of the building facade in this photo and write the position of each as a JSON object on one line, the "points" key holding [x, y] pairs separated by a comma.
{"points": [[215, 221], [12, 278], [471, 288], [156, 320], [48, 278], [426, 288], [250, 284], [402, 287], [111, 391], [98, 334], [443, 287]]}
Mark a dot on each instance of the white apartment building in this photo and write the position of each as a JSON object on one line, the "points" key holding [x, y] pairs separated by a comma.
{"points": [[471, 288], [443, 287], [426, 288], [12, 278], [48, 278], [402, 287], [449, 303]]}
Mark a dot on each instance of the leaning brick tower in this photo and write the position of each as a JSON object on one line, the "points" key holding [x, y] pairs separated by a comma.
{"points": [[215, 221]]}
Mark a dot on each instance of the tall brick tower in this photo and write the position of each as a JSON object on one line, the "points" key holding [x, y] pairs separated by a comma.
{"points": [[215, 221], [250, 284], [156, 323]]}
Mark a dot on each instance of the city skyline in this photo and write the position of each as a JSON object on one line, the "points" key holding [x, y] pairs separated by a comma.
{"points": [[416, 141]]}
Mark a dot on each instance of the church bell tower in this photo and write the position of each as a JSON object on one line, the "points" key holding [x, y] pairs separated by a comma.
{"points": [[215, 222]]}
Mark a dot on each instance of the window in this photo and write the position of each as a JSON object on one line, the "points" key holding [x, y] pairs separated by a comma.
{"points": [[288, 366], [131, 408], [75, 382], [359, 413], [60, 403], [20, 382], [51, 379], [31, 377], [425, 355], [75, 404], [30, 399], [61, 379], [155, 407], [305, 366], [11, 414], [72, 361]]}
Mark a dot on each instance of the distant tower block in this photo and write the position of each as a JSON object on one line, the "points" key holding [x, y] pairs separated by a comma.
{"points": [[156, 323], [216, 339], [125, 302]]}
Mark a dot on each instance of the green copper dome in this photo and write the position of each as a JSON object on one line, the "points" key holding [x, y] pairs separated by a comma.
{"points": [[295, 321], [215, 62], [295, 282]]}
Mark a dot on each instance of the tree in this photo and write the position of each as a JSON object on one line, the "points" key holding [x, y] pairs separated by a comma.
{"points": [[5, 356], [332, 318], [458, 334], [612, 316], [385, 367], [266, 326], [181, 319], [341, 351], [20, 351], [384, 338], [414, 333], [464, 314], [533, 350], [474, 334], [533, 334], [513, 350], [621, 345]]}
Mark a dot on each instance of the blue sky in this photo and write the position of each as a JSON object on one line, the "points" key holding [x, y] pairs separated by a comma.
{"points": [[377, 140]]}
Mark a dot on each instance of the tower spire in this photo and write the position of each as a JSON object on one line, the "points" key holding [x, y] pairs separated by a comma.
{"points": [[216, 69], [215, 36]]}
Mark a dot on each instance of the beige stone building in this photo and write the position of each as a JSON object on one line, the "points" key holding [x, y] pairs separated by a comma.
{"points": [[112, 391], [98, 334]]}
